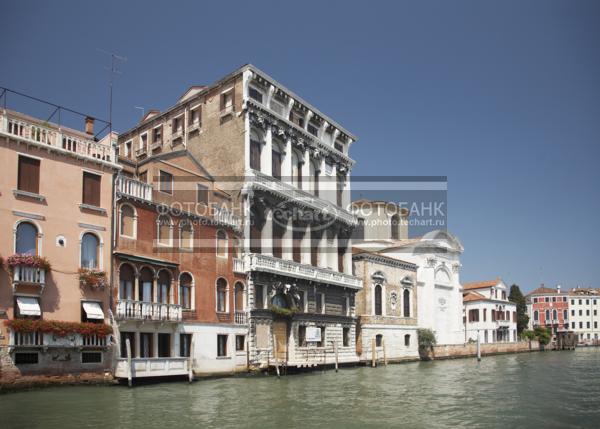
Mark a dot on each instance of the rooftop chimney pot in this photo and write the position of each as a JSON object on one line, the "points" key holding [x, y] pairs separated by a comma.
{"points": [[89, 126]]}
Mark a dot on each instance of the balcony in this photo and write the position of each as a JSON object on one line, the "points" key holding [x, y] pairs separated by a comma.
{"points": [[297, 270], [156, 145], [27, 275], [503, 323], [55, 138], [133, 188], [227, 110], [152, 367], [39, 339], [238, 266], [141, 151], [289, 192], [153, 311], [240, 318], [225, 217]]}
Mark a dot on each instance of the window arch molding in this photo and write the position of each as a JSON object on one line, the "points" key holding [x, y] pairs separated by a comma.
{"points": [[164, 221], [406, 304], [186, 225], [99, 249], [192, 291], [222, 295], [239, 303], [39, 234], [378, 299], [133, 220], [221, 243]]}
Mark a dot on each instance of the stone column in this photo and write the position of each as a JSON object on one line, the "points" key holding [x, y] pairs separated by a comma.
{"points": [[136, 288], [136, 347], [333, 254], [305, 247], [286, 167], [267, 234], [306, 179], [348, 258], [266, 158], [155, 344], [288, 241], [155, 288]]}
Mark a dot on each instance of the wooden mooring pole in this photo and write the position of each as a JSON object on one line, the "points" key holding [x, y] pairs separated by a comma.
{"points": [[129, 375], [335, 350], [373, 353], [384, 352], [275, 355]]}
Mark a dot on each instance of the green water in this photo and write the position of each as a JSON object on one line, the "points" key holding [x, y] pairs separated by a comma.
{"points": [[537, 390]]}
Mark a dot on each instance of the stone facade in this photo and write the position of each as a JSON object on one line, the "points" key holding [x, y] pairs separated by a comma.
{"points": [[387, 308]]}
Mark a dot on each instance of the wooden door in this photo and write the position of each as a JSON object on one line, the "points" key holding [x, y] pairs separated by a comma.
{"points": [[280, 331]]}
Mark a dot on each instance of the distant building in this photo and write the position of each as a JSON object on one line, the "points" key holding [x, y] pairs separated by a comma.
{"points": [[488, 314], [386, 308], [583, 314], [55, 207], [436, 256], [548, 308]]}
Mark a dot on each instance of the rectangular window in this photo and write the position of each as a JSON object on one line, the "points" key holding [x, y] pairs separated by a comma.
{"points": [[301, 336], [276, 164], [91, 189], [194, 117], [572, 312], [240, 343], [166, 182], [338, 146], [164, 345], [124, 337], [407, 340], [258, 296], [203, 194], [157, 135], [26, 358], [345, 337], [322, 342], [144, 142], [535, 300], [185, 344], [146, 345], [320, 303], [221, 345], [177, 125], [256, 94], [128, 149], [255, 154], [313, 130], [277, 107], [227, 101], [28, 179], [91, 357]]}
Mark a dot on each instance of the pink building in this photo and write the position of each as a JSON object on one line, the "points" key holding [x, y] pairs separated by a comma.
{"points": [[55, 211]]}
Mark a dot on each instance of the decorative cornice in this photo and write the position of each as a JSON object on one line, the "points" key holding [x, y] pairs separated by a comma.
{"points": [[384, 260]]}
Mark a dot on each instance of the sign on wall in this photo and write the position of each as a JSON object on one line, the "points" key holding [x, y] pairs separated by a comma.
{"points": [[313, 334]]}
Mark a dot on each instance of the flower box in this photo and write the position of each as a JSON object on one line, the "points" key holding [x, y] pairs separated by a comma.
{"points": [[94, 279]]}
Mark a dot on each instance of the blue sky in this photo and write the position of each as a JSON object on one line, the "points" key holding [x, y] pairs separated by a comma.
{"points": [[500, 97]]}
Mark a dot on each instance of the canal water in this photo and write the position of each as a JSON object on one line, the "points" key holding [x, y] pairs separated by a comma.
{"points": [[536, 390]]}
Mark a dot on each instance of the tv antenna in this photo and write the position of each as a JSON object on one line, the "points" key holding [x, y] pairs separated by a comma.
{"points": [[113, 70]]}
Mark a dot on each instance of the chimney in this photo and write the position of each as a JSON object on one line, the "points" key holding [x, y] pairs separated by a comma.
{"points": [[557, 288], [89, 126]]}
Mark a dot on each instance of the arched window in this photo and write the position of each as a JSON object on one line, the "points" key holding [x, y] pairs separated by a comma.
{"points": [[185, 291], [547, 316], [146, 286], [406, 303], [566, 314], [26, 239], [554, 315], [314, 176], [164, 287], [222, 295], [89, 251], [378, 340], [378, 300], [255, 149], [407, 340], [126, 281], [536, 315], [239, 296], [395, 227], [128, 221], [165, 230], [186, 234], [221, 243]]}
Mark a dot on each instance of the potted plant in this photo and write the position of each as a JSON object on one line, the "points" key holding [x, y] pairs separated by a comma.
{"points": [[27, 260], [93, 279], [426, 342]]}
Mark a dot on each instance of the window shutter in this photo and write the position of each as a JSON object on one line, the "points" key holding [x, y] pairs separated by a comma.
{"points": [[91, 189], [28, 179], [222, 105]]}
